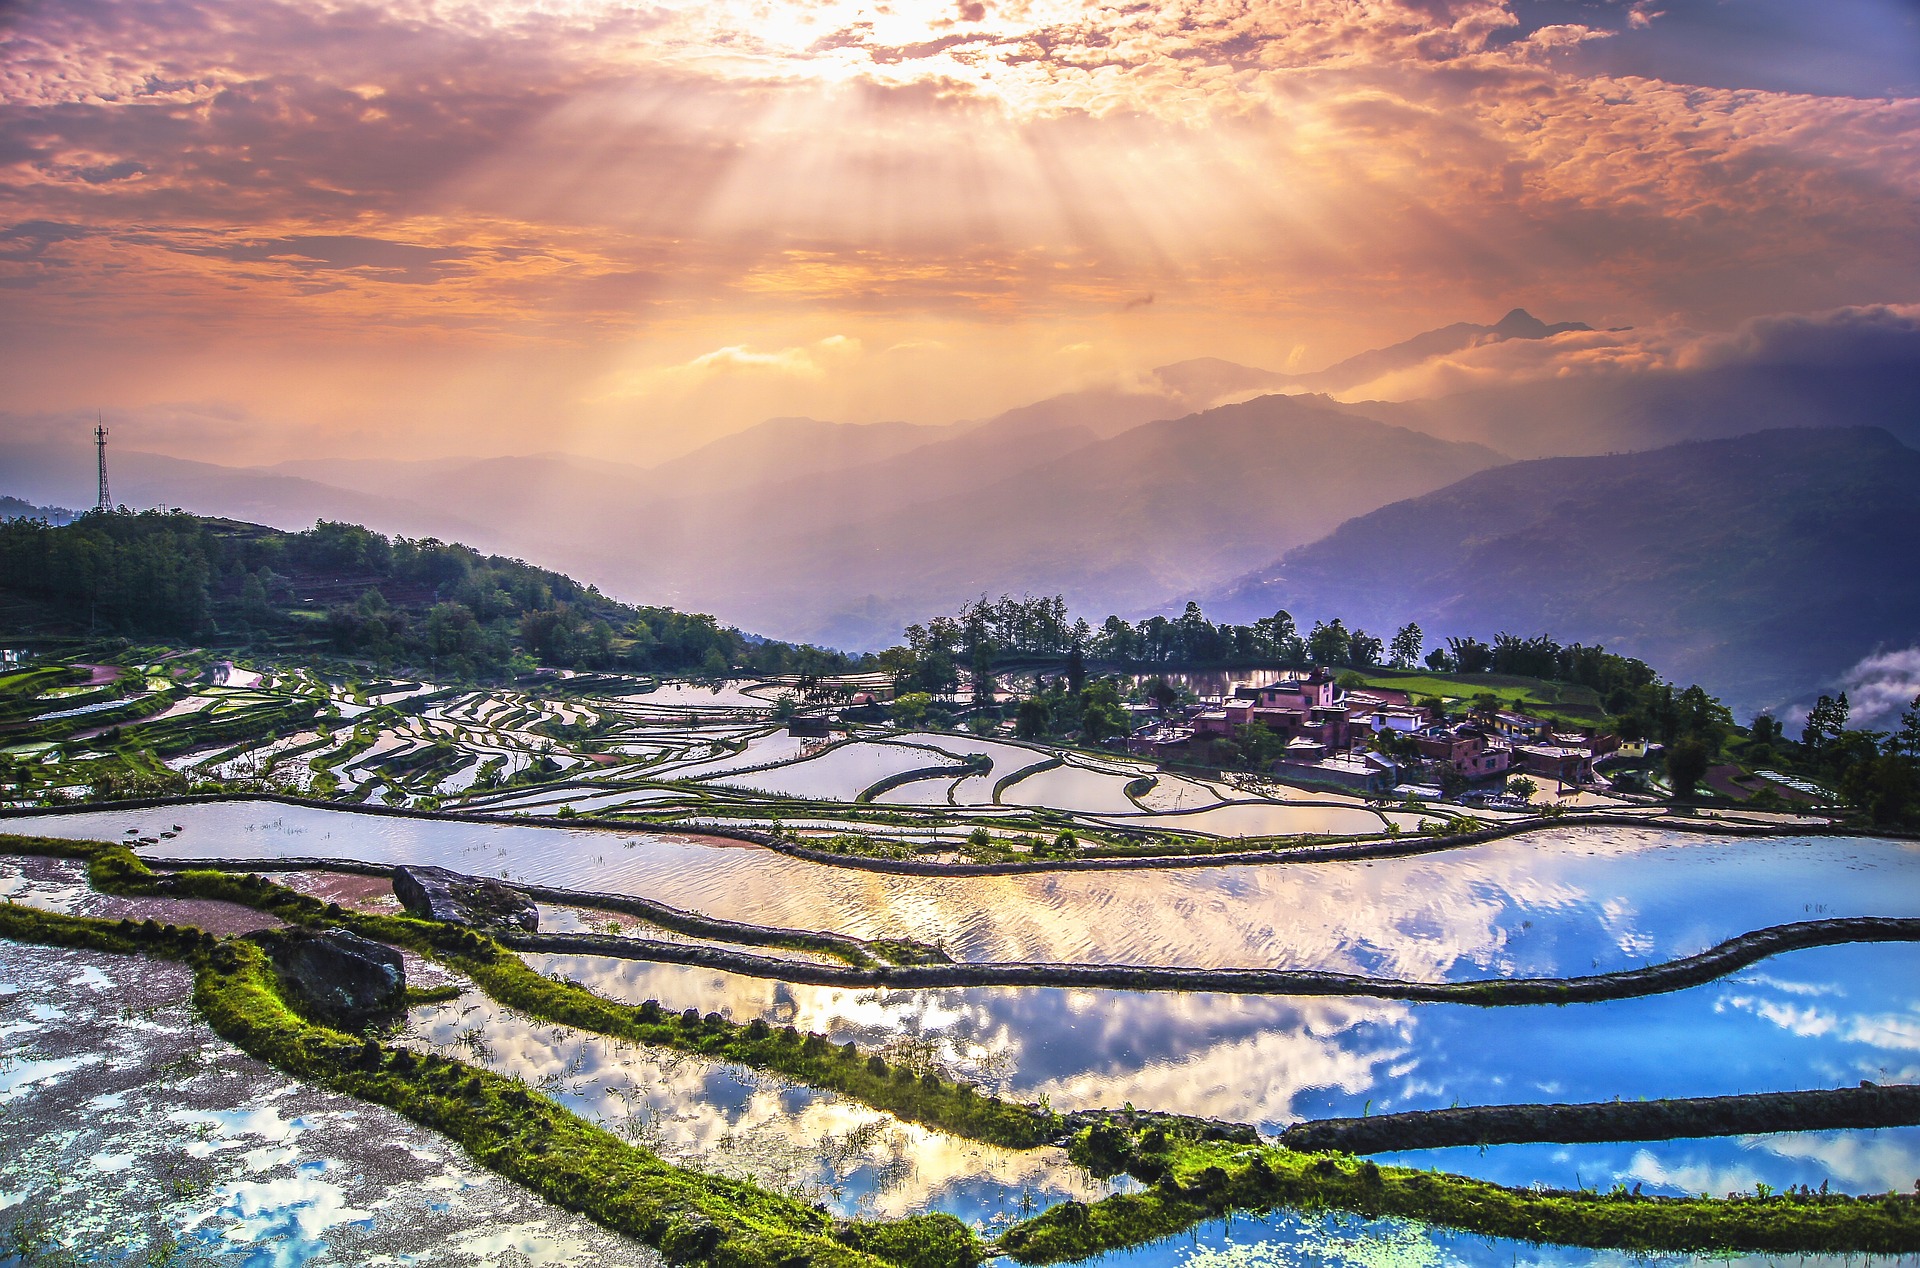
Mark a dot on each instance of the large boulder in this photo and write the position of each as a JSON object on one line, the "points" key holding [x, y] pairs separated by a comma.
{"points": [[337, 977], [434, 893]]}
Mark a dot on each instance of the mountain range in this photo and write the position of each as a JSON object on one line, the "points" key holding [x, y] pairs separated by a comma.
{"points": [[1125, 500], [1762, 565]]}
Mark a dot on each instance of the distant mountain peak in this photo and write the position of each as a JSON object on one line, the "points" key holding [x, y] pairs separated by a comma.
{"points": [[1521, 324]]}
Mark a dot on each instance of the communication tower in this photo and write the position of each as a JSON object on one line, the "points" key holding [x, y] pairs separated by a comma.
{"points": [[100, 443]]}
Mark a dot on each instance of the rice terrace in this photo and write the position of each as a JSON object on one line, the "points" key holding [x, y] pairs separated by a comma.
{"points": [[959, 633]]}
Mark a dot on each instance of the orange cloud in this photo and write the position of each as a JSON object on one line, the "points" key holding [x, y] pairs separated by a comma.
{"points": [[505, 178]]}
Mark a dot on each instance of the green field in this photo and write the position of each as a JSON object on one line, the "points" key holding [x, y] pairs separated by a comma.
{"points": [[1561, 701]]}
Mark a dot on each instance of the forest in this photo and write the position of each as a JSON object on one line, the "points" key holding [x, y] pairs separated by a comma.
{"points": [[345, 589]]}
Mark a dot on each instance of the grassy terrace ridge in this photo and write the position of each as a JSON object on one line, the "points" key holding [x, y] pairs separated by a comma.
{"points": [[582, 1168], [1196, 1181], [925, 1098], [1868, 1106], [910, 965], [1715, 962], [688, 1216]]}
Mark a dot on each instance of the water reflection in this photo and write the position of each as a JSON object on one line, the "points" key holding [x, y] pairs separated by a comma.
{"points": [[1883, 1161], [1272, 1061], [1571, 901], [1285, 1239], [730, 1120]]}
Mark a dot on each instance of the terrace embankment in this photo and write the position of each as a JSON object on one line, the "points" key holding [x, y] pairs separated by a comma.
{"points": [[1866, 1106], [1158, 855], [852, 950], [911, 968], [540, 1145]]}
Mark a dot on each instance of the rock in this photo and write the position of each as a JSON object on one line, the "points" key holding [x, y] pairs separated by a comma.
{"points": [[337, 977], [434, 893]]}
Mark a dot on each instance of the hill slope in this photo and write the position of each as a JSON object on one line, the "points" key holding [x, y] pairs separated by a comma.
{"points": [[1113, 525], [1765, 565], [344, 590]]}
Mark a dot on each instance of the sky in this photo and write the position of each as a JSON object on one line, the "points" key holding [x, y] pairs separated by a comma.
{"points": [[250, 231]]}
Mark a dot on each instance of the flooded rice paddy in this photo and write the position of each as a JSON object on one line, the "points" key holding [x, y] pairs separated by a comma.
{"points": [[1825, 1017], [126, 1124], [1285, 1239], [748, 1124], [1563, 902], [107, 1117]]}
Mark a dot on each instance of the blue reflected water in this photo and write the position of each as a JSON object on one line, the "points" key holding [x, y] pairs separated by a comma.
{"points": [[1881, 1161], [1555, 903], [1824, 1017], [1286, 1239]]}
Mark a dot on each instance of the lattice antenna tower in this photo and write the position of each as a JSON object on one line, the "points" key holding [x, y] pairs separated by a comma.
{"points": [[100, 443]]}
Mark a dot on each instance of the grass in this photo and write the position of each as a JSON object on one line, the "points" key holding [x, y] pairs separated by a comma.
{"points": [[1196, 1181], [1561, 701], [925, 1098], [695, 1217], [688, 1216]]}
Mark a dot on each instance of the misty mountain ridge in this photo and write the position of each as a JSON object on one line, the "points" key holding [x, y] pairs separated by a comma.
{"points": [[1115, 524], [1211, 375], [842, 533], [1764, 565]]}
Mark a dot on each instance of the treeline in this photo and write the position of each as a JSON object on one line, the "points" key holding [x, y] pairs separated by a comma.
{"points": [[437, 605], [1876, 773], [989, 631]]}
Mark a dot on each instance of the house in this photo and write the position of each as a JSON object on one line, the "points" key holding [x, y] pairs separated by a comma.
{"points": [[1160, 739], [1207, 722], [1361, 772], [1519, 725], [1468, 750], [1557, 762], [1404, 721], [1302, 749], [810, 725]]}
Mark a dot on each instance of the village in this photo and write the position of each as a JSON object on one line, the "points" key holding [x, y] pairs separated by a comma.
{"points": [[1378, 740]]}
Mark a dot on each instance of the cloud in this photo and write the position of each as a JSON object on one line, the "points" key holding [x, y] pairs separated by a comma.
{"points": [[1882, 687], [808, 363], [374, 257], [1871, 335], [508, 178]]}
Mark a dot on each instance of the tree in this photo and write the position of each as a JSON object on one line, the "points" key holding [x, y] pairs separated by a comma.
{"points": [[983, 673], [1885, 789], [1327, 642], [1687, 762], [1441, 661], [1825, 721], [1907, 738], [1276, 636], [1522, 787], [910, 710], [1033, 719], [1101, 716], [1470, 655], [1406, 646], [1076, 670], [1163, 693], [1259, 744], [1363, 648]]}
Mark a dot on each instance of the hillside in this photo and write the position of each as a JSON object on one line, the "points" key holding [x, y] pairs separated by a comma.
{"points": [[1115, 524], [344, 590], [1765, 565]]}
